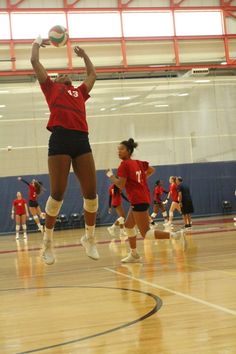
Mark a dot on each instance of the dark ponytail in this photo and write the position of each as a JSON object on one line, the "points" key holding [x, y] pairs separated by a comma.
{"points": [[130, 145], [38, 187]]}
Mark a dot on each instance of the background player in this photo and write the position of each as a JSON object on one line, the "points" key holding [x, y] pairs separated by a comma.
{"points": [[35, 188], [132, 175], [115, 201], [158, 204], [20, 210], [173, 194], [68, 145], [185, 201]]}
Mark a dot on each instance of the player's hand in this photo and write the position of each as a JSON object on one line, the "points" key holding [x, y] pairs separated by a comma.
{"points": [[19, 178], [41, 42], [165, 202], [45, 42], [79, 52], [109, 211], [109, 172]]}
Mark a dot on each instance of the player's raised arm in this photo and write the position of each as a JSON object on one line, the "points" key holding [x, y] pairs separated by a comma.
{"points": [[40, 71], [90, 69]]}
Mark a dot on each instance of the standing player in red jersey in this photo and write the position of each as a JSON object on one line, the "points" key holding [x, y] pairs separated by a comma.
{"points": [[158, 204], [132, 175], [68, 145], [20, 210], [115, 201], [35, 189], [173, 194]]}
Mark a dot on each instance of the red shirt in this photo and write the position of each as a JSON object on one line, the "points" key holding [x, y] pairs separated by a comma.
{"points": [[32, 192], [158, 191], [19, 205], [66, 104], [136, 180], [173, 192], [115, 197]]}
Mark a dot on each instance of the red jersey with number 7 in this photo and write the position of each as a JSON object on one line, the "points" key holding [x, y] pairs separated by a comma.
{"points": [[66, 104], [136, 180]]}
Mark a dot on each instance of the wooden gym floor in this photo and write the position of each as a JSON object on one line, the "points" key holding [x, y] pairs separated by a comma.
{"points": [[175, 302]]}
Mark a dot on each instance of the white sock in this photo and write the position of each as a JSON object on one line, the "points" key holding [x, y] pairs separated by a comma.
{"points": [[89, 231], [48, 234]]}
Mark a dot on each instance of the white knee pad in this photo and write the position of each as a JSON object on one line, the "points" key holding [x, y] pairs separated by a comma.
{"points": [[35, 217], [164, 214], [53, 206], [130, 232], [91, 205], [121, 220], [150, 235], [153, 215], [24, 227], [17, 227]]}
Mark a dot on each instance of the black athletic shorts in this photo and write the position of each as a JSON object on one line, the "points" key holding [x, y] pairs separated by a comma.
{"points": [[68, 142], [187, 207], [33, 203], [140, 207]]}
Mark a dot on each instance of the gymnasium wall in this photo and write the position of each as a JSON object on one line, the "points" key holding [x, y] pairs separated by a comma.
{"points": [[175, 120], [210, 184]]}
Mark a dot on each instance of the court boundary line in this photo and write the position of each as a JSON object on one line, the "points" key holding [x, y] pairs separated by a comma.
{"points": [[178, 293], [154, 309]]}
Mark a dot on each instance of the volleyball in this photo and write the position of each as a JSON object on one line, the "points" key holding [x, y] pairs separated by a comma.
{"points": [[58, 36]]}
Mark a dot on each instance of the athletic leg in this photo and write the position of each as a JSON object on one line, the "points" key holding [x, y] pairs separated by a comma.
{"points": [[83, 167], [59, 168], [133, 256], [34, 213], [17, 226], [24, 227]]}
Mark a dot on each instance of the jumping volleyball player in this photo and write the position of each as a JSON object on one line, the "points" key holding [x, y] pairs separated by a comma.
{"points": [[68, 144], [35, 189], [20, 210], [132, 175], [115, 201]]}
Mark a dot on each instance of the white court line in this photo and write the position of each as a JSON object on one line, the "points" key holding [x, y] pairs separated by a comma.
{"points": [[189, 297]]}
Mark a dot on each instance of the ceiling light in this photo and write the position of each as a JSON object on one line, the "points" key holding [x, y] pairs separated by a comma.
{"points": [[201, 81], [102, 109], [113, 109], [161, 105], [1, 116], [223, 63], [47, 113], [4, 91], [124, 98], [183, 94], [2, 105]]}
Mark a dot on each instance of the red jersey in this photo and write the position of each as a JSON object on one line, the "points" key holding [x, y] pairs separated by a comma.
{"points": [[158, 191], [32, 192], [136, 180], [66, 104], [173, 192], [115, 197], [19, 205]]}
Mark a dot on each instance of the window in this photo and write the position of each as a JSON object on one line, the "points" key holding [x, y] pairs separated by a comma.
{"points": [[35, 24], [94, 25], [148, 24], [198, 23], [4, 26]]}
